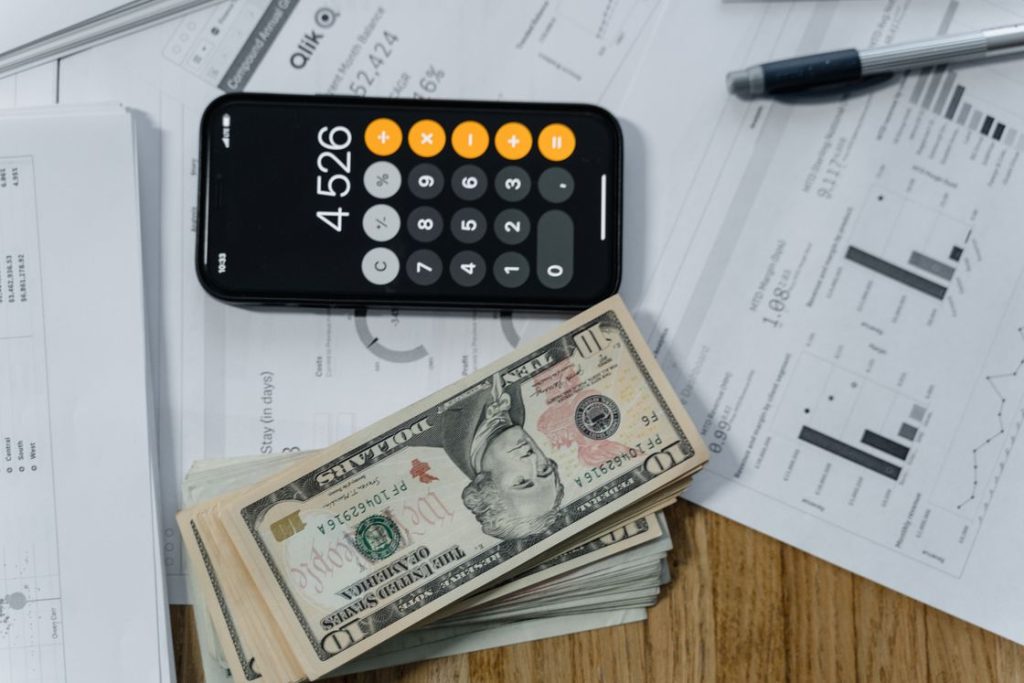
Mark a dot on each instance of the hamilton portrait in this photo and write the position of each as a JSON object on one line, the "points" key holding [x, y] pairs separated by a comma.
{"points": [[514, 488]]}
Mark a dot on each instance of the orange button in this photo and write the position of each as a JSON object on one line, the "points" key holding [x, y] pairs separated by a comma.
{"points": [[556, 142], [513, 141], [383, 137], [470, 139], [426, 138]]}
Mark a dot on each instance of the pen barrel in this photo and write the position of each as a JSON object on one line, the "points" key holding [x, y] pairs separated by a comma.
{"points": [[877, 60], [799, 73]]}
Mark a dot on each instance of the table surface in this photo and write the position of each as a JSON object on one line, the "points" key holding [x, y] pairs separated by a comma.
{"points": [[741, 607]]}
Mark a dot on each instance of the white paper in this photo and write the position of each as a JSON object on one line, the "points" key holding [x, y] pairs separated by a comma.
{"points": [[81, 592], [849, 268], [32, 88], [38, 32], [236, 380]]}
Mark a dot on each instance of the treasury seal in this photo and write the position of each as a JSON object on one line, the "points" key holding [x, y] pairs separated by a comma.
{"points": [[597, 417], [377, 537]]}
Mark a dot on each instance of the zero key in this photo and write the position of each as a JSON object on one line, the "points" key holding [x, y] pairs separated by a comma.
{"points": [[554, 249]]}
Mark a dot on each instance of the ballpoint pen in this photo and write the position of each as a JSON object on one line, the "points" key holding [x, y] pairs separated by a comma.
{"points": [[841, 66]]}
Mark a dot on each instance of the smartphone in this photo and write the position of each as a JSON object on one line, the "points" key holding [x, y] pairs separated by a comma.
{"points": [[323, 200]]}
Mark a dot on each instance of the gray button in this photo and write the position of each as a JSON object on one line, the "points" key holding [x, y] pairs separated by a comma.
{"points": [[380, 266], [512, 226], [424, 224], [554, 249], [469, 225], [556, 185], [512, 183], [424, 267], [511, 269], [381, 222], [425, 181], [382, 179], [467, 268], [469, 182]]}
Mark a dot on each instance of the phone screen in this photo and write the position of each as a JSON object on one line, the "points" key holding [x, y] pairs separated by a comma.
{"points": [[300, 195]]}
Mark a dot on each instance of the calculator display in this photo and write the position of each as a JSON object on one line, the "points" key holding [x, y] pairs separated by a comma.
{"points": [[325, 200]]}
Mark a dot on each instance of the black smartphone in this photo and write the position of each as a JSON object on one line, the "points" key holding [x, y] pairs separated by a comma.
{"points": [[324, 200]]}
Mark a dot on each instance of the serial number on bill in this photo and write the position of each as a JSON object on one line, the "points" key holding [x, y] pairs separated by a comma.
{"points": [[646, 447]]}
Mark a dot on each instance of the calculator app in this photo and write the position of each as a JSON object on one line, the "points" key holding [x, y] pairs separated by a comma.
{"points": [[357, 200]]}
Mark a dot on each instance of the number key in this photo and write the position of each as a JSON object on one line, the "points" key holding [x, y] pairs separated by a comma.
{"points": [[511, 269], [467, 268], [424, 223], [512, 184], [469, 182], [512, 227], [425, 181], [468, 225], [424, 267]]}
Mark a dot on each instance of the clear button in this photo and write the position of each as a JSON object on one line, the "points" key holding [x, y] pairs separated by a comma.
{"points": [[380, 266]]}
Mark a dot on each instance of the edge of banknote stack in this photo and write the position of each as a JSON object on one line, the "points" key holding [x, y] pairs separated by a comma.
{"points": [[514, 493]]}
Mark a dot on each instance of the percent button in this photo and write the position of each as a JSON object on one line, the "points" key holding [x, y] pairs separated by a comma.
{"points": [[382, 180]]}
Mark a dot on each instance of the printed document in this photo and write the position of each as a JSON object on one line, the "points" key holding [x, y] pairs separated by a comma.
{"points": [[842, 308], [82, 594]]}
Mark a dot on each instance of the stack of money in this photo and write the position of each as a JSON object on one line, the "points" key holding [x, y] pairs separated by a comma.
{"points": [[616, 580], [527, 491]]}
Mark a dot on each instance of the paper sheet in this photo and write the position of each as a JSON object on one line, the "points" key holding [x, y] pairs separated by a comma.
{"points": [[744, 275], [841, 306], [240, 380], [81, 592], [33, 88]]}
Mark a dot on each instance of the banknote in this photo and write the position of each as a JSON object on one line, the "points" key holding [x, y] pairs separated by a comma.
{"points": [[218, 477], [506, 468]]}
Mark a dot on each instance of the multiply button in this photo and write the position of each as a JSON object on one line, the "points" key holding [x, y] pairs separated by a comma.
{"points": [[380, 266], [426, 138], [513, 141], [556, 142], [383, 137], [554, 249], [470, 139], [381, 222], [382, 179]]}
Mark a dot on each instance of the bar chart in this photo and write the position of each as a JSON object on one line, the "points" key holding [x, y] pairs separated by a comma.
{"points": [[937, 90], [842, 416], [908, 242]]}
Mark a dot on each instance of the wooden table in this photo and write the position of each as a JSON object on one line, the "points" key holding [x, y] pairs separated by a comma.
{"points": [[741, 607]]}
